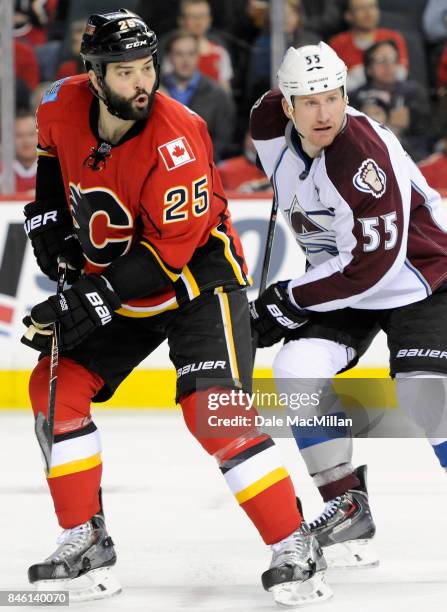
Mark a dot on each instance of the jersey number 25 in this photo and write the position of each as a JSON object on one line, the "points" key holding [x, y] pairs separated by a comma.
{"points": [[177, 200]]}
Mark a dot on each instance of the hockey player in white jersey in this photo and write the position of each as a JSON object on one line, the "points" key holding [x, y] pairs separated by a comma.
{"points": [[375, 239]]}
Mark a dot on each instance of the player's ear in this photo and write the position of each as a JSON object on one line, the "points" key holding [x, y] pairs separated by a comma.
{"points": [[288, 110], [93, 79]]}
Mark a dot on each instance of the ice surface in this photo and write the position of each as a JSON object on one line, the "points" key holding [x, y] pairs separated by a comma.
{"points": [[183, 543]]}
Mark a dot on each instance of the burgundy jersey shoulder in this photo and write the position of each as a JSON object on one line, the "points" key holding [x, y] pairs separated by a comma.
{"points": [[358, 162], [267, 118]]}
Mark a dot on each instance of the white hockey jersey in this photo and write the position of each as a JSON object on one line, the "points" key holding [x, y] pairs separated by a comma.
{"points": [[374, 233]]}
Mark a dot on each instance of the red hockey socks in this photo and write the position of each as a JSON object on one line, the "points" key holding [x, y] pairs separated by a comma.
{"points": [[250, 463], [76, 466]]}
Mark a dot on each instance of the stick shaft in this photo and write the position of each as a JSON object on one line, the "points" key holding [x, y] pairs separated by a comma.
{"points": [[44, 427], [268, 246], [54, 358], [266, 262]]}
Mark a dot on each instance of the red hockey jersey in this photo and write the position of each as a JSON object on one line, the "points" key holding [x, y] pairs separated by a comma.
{"points": [[159, 187]]}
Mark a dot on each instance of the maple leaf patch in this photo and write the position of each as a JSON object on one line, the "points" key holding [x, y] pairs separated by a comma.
{"points": [[176, 153]]}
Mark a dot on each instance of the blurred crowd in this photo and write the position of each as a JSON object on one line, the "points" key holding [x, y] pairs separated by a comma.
{"points": [[215, 59]]}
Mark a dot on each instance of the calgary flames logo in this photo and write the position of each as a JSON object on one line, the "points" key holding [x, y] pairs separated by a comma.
{"points": [[103, 223], [370, 178]]}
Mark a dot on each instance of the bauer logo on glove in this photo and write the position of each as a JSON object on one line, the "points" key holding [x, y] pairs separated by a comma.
{"points": [[87, 305], [49, 226], [39, 220], [273, 315]]}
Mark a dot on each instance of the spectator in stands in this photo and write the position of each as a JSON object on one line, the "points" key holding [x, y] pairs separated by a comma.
{"points": [[74, 65], [434, 21], [25, 163], [31, 20], [363, 17], [376, 108], [26, 72], [23, 96], [434, 168], [408, 102], [162, 15], [187, 85], [258, 11], [434, 25], [214, 60], [441, 80], [325, 17], [295, 35], [438, 126], [26, 66], [241, 173]]}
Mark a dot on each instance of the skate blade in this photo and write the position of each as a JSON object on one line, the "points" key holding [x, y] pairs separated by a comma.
{"points": [[296, 594], [96, 584], [351, 554]]}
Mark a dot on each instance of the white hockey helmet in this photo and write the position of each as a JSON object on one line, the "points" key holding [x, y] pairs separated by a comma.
{"points": [[309, 70]]}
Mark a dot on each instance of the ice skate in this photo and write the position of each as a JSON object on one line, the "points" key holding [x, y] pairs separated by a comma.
{"points": [[296, 573], [81, 564], [345, 528]]}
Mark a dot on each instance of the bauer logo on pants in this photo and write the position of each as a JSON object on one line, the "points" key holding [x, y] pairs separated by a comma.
{"points": [[176, 153]]}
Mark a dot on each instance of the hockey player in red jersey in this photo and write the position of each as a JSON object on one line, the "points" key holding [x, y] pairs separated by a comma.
{"points": [[128, 195], [375, 238]]}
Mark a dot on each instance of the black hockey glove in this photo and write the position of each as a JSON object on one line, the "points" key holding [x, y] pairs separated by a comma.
{"points": [[87, 305], [273, 315], [50, 229]]}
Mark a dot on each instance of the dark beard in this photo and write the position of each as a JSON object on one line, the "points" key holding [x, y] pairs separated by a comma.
{"points": [[123, 106]]}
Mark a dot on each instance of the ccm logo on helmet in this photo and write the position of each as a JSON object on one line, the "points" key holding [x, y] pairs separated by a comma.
{"points": [[100, 308], [138, 43]]}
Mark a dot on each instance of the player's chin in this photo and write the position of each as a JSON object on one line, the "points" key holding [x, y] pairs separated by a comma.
{"points": [[324, 136], [140, 112]]}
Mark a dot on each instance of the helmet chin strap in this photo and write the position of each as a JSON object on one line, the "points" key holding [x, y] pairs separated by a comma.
{"points": [[96, 93], [292, 118]]}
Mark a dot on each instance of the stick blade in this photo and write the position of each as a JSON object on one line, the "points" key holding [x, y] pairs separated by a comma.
{"points": [[45, 439]]}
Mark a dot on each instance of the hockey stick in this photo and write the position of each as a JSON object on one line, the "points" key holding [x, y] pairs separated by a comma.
{"points": [[44, 428], [266, 261]]}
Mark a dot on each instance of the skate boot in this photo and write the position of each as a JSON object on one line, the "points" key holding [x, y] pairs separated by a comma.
{"points": [[296, 573], [81, 564], [345, 528]]}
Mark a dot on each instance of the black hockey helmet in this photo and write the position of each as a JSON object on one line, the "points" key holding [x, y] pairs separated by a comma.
{"points": [[120, 36]]}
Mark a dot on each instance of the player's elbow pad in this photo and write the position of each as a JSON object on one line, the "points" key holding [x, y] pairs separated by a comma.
{"points": [[136, 274]]}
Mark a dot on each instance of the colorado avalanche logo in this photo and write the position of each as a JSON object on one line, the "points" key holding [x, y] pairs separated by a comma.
{"points": [[312, 228], [370, 178]]}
